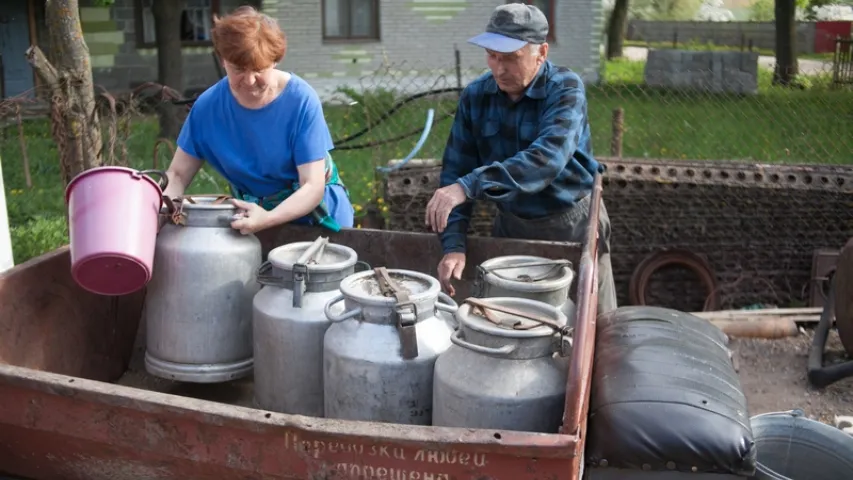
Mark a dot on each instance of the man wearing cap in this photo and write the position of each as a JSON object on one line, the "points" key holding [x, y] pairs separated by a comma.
{"points": [[521, 139]]}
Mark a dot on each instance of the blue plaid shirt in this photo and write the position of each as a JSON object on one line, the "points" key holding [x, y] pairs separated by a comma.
{"points": [[532, 157]]}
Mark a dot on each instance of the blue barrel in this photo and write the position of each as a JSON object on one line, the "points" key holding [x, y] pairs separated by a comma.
{"points": [[793, 447]]}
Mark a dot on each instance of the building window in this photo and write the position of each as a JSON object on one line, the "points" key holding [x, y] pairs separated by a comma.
{"points": [[196, 23], [547, 7], [350, 19]]}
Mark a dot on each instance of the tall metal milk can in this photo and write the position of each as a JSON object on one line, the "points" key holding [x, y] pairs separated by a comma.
{"points": [[537, 278], [199, 302], [289, 323], [379, 354], [507, 367]]}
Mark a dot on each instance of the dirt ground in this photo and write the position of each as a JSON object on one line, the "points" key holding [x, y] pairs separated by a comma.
{"points": [[773, 376]]}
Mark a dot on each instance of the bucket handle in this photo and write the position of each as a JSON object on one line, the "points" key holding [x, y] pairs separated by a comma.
{"points": [[327, 310], [164, 179], [456, 339]]}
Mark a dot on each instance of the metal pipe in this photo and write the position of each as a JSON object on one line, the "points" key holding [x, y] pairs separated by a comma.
{"points": [[580, 367]]}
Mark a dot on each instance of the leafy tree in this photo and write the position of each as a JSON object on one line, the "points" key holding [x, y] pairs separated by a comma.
{"points": [[76, 128]]}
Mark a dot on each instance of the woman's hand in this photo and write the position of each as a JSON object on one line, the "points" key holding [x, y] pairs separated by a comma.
{"points": [[251, 218]]}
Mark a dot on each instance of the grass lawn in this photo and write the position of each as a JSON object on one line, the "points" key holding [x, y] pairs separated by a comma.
{"points": [[776, 126]]}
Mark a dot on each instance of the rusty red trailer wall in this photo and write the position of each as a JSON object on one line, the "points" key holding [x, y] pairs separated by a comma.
{"points": [[60, 419], [49, 323], [57, 427]]}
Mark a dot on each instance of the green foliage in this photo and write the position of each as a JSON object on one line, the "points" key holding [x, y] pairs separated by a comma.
{"points": [[38, 236], [765, 10], [663, 9], [103, 3], [778, 125], [762, 11], [368, 105]]}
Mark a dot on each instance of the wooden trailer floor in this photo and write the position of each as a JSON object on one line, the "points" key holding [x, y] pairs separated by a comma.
{"points": [[772, 373], [238, 392]]}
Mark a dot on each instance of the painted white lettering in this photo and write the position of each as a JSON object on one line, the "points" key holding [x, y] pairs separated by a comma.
{"points": [[450, 457], [316, 448], [399, 453], [353, 470]]}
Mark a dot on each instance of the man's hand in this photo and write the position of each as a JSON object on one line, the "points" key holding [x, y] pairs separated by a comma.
{"points": [[442, 202], [252, 217], [452, 264]]}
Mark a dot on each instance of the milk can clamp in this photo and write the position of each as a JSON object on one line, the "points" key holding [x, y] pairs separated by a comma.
{"points": [[405, 311], [299, 271], [484, 308]]}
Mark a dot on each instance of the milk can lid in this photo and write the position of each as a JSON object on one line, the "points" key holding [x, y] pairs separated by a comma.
{"points": [[517, 270], [368, 286], [333, 257], [511, 317]]}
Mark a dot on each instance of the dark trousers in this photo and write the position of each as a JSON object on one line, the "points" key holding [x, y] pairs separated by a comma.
{"points": [[568, 226]]}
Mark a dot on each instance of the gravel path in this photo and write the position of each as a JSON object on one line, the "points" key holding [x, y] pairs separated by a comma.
{"points": [[773, 376]]}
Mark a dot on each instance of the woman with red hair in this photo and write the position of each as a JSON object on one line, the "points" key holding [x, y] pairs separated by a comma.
{"points": [[263, 129]]}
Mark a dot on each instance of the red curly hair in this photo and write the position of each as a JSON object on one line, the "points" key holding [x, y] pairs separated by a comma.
{"points": [[248, 39]]}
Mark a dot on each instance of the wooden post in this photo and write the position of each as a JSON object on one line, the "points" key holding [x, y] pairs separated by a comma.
{"points": [[618, 125], [6, 259], [23, 142]]}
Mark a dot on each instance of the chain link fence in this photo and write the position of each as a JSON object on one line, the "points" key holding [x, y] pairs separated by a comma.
{"points": [[725, 190], [706, 158], [48, 135]]}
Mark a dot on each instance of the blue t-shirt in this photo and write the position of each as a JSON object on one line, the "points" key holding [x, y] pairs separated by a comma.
{"points": [[257, 150]]}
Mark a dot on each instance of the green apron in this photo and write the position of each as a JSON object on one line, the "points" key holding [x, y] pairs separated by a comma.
{"points": [[319, 216]]}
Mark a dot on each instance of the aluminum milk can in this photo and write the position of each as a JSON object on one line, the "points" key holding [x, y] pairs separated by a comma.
{"points": [[289, 323], [199, 302], [379, 354], [506, 369], [537, 278]]}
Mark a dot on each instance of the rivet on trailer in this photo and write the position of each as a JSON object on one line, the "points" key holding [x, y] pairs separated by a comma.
{"points": [[521, 390]]}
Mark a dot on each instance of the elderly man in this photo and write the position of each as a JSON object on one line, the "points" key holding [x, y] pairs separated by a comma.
{"points": [[521, 139]]}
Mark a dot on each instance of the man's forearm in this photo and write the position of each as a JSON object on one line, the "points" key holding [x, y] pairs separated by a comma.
{"points": [[453, 243], [454, 237]]}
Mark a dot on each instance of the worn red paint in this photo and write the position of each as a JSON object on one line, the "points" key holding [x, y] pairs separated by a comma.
{"points": [[74, 428], [62, 426]]}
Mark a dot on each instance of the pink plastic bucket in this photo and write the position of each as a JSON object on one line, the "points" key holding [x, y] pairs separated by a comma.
{"points": [[112, 225]]}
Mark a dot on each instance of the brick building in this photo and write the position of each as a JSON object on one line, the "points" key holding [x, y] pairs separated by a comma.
{"points": [[331, 42]]}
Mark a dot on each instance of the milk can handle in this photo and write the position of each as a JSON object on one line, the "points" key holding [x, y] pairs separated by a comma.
{"points": [[344, 316], [502, 351], [446, 303]]}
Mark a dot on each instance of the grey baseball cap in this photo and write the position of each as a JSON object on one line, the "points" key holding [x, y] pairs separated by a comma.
{"points": [[511, 27]]}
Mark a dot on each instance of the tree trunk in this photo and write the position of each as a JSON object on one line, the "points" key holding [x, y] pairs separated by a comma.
{"points": [[170, 62], [75, 125], [616, 26], [786, 43]]}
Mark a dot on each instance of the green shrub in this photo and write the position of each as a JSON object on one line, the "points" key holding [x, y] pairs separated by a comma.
{"points": [[38, 236]]}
